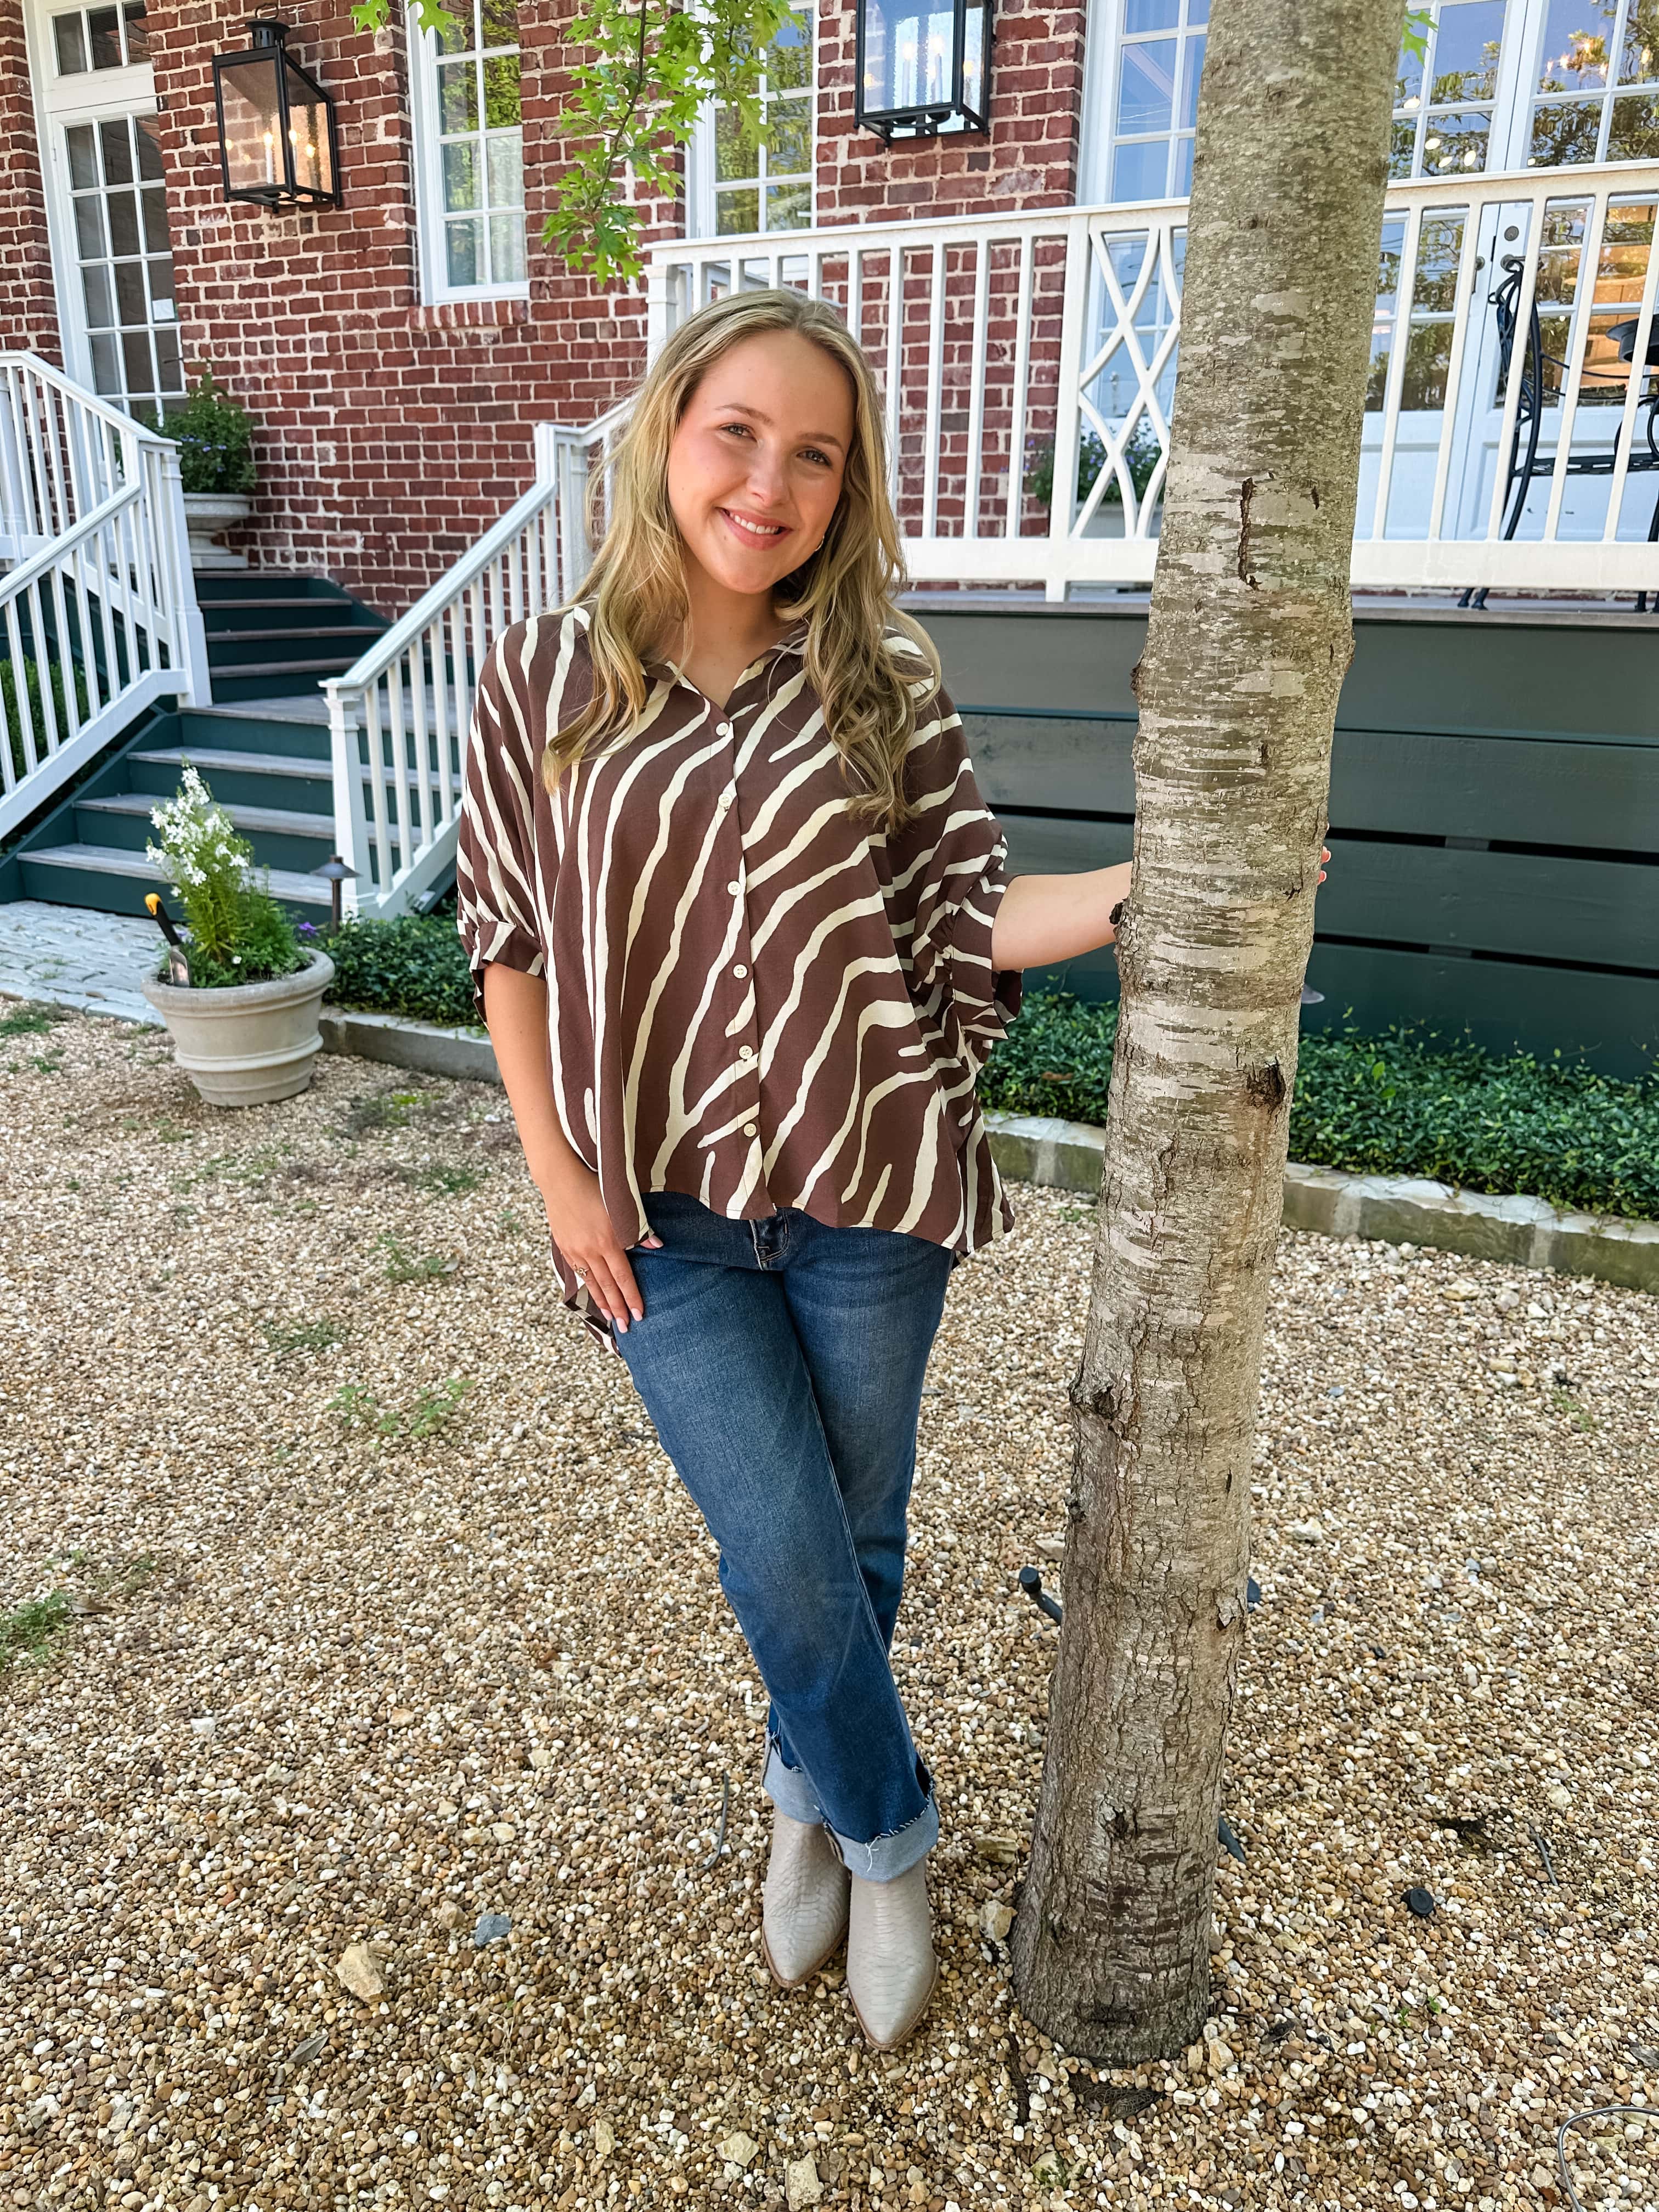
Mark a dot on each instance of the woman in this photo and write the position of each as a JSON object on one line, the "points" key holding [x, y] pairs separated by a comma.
{"points": [[741, 931]]}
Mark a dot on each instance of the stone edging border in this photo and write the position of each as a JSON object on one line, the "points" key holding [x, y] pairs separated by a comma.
{"points": [[1067, 1156], [1393, 1209]]}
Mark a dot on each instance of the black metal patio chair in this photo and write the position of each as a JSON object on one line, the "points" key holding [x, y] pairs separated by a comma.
{"points": [[1527, 466]]}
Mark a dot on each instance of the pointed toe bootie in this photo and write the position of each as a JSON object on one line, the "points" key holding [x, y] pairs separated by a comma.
{"points": [[891, 1966], [803, 1902]]}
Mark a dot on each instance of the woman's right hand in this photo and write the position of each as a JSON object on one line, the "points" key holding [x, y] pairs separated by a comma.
{"points": [[581, 1229]]}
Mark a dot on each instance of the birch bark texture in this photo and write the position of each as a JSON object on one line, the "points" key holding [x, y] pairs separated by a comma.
{"points": [[1251, 634]]}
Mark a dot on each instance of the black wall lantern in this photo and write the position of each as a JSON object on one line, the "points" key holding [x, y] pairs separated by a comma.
{"points": [[277, 138], [924, 66]]}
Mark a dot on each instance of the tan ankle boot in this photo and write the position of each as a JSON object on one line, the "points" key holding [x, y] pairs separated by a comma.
{"points": [[891, 1966], [803, 1901]]}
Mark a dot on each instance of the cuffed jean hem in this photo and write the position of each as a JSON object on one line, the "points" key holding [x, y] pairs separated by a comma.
{"points": [[885, 1858]]}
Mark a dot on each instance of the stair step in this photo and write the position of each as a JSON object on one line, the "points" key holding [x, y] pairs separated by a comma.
{"points": [[272, 821], [335, 664], [206, 757], [111, 861], [367, 632], [209, 758]]}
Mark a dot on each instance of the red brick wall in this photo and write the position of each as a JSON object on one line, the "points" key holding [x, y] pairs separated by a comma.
{"points": [[28, 309], [390, 432]]}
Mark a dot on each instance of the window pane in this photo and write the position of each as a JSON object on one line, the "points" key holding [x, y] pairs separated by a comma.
{"points": [[462, 242], [1640, 60], [1465, 50], [506, 159], [155, 221], [1439, 249], [500, 92], [1428, 356], [506, 249], [149, 148], [1635, 133], [122, 221], [460, 41], [1575, 56], [1192, 66], [161, 286], [1198, 11], [1181, 183], [461, 174], [1566, 134], [83, 155], [131, 300], [786, 66], [117, 152], [137, 31], [737, 212], [169, 362], [136, 360], [105, 365], [101, 307], [458, 96], [1146, 100], [104, 35], [1151, 15], [1455, 142], [1403, 149], [1142, 172], [89, 227], [791, 151], [1408, 80], [501, 22], [71, 46], [789, 206], [733, 158]]}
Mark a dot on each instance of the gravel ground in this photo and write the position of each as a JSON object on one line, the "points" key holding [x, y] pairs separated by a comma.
{"points": [[386, 1614]]}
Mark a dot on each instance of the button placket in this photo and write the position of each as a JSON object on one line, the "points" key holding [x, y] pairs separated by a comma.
{"points": [[748, 1066]]}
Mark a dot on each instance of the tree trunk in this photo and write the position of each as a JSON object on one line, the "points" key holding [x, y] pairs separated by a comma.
{"points": [[1250, 634]]}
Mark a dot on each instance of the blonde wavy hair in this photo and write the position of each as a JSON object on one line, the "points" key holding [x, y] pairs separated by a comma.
{"points": [[635, 591]]}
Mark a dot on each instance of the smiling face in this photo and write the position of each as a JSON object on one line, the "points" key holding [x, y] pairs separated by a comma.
{"points": [[755, 469]]}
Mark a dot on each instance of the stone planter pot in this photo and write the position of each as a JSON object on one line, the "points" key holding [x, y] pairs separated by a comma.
{"points": [[252, 1043], [207, 514]]}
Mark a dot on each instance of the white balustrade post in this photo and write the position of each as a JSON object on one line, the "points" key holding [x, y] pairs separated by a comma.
{"points": [[576, 554], [544, 440], [351, 818], [189, 637]]}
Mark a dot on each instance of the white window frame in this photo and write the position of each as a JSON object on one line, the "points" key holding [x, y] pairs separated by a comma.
{"points": [[700, 165], [436, 289]]}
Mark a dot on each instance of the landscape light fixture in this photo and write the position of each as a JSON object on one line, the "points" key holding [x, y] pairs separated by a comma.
{"points": [[334, 872], [922, 68], [278, 146]]}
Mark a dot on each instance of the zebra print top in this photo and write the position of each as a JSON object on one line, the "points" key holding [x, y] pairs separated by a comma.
{"points": [[753, 999]]}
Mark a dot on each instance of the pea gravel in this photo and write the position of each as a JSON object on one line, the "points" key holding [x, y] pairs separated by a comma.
{"points": [[394, 1660]]}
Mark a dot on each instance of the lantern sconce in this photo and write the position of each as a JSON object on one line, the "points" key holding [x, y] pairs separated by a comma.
{"points": [[277, 141], [922, 68]]}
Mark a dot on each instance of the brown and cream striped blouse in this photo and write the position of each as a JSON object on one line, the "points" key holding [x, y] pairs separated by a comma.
{"points": [[753, 999]]}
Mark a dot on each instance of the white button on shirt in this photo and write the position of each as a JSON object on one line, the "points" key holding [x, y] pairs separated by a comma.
{"points": [[734, 888], [746, 1051]]}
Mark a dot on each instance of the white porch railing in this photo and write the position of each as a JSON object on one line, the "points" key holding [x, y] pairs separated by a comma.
{"points": [[399, 717], [98, 613], [1029, 364]]}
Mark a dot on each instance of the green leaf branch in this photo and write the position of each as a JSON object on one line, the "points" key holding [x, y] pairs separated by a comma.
{"points": [[644, 71]]}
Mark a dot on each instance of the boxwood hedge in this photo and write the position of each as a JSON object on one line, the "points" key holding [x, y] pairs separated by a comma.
{"points": [[1406, 1103]]}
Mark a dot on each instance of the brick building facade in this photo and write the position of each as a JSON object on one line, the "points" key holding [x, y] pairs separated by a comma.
{"points": [[394, 425]]}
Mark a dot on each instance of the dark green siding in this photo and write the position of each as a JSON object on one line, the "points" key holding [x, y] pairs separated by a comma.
{"points": [[1494, 809]]}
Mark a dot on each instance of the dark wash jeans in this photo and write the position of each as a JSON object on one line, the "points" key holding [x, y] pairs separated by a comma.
{"points": [[782, 1364]]}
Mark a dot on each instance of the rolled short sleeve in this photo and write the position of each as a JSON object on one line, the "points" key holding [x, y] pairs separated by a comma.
{"points": [[498, 890], [949, 872]]}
